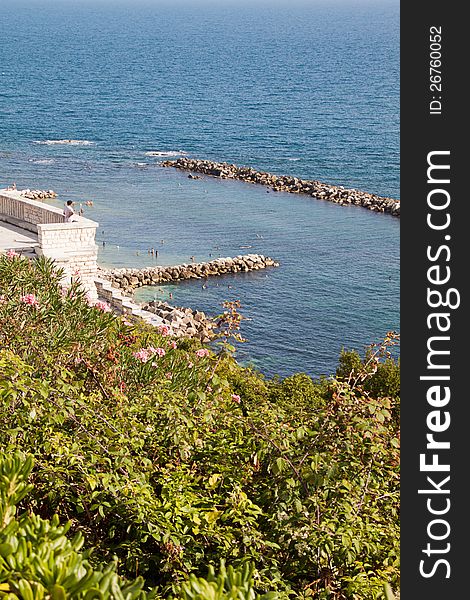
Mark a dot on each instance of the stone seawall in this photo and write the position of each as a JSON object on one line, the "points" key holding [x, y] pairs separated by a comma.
{"points": [[285, 183], [182, 321], [130, 279], [70, 245], [176, 321], [38, 194]]}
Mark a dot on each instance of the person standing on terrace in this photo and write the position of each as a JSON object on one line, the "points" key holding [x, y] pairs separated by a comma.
{"points": [[69, 212]]}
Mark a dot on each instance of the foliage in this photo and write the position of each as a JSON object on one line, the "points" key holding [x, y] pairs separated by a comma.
{"points": [[383, 372], [37, 560], [173, 459], [227, 584], [298, 389]]}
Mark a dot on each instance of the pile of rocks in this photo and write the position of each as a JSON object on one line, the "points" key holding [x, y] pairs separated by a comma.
{"points": [[38, 194], [130, 279], [182, 322], [285, 183]]}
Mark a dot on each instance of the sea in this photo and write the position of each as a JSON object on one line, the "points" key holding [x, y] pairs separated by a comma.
{"points": [[309, 90]]}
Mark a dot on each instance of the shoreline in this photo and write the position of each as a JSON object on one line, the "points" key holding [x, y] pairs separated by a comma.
{"points": [[286, 183]]}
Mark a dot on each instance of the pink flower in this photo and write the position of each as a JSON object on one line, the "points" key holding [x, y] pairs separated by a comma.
{"points": [[174, 345], [143, 355], [30, 299], [2, 299], [169, 375], [164, 330], [128, 323], [236, 398], [104, 306], [202, 352], [158, 351], [11, 253], [190, 365]]}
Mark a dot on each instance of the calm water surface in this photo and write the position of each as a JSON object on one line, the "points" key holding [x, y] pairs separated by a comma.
{"points": [[311, 92]]}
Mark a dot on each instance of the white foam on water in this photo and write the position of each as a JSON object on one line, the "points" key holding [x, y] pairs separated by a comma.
{"points": [[42, 161], [166, 153], [64, 142]]}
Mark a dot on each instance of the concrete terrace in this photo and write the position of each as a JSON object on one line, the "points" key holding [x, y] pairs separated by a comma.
{"points": [[35, 228], [16, 238]]}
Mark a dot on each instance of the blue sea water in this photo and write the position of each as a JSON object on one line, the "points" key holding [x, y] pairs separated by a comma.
{"points": [[310, 91]]}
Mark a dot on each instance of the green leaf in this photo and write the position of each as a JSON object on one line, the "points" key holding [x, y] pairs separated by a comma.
{"points": [[6, 549], [58, 592]]}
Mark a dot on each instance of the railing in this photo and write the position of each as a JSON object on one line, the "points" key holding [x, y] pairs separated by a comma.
{"points": [[27, 213], [71, 245], [55, 235]]}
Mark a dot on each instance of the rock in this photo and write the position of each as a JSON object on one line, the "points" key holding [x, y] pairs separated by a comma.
{"points": [[130, 279], [183, 322], [37, 194], [315, 189]]}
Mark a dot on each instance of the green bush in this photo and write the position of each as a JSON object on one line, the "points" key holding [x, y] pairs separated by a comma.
{"points": [[298, 389], [383, 371], [38, 560], [169, 460]]}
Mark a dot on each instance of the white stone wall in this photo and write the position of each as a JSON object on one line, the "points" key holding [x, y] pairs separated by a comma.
{"points": [[71, 245], [14, 208]]}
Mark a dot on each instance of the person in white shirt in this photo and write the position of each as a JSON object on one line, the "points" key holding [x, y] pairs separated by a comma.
{"points": [[69, 213]]}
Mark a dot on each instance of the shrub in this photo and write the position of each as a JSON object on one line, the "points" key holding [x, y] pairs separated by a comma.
{"points": [[298, 389], [38, 560], [378, 371], [172, 460]]}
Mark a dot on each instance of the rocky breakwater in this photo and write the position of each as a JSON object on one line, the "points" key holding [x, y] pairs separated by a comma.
{"points": [[178, 321], [38, 194], [130, 279], [286, 183], [182, 322]]}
